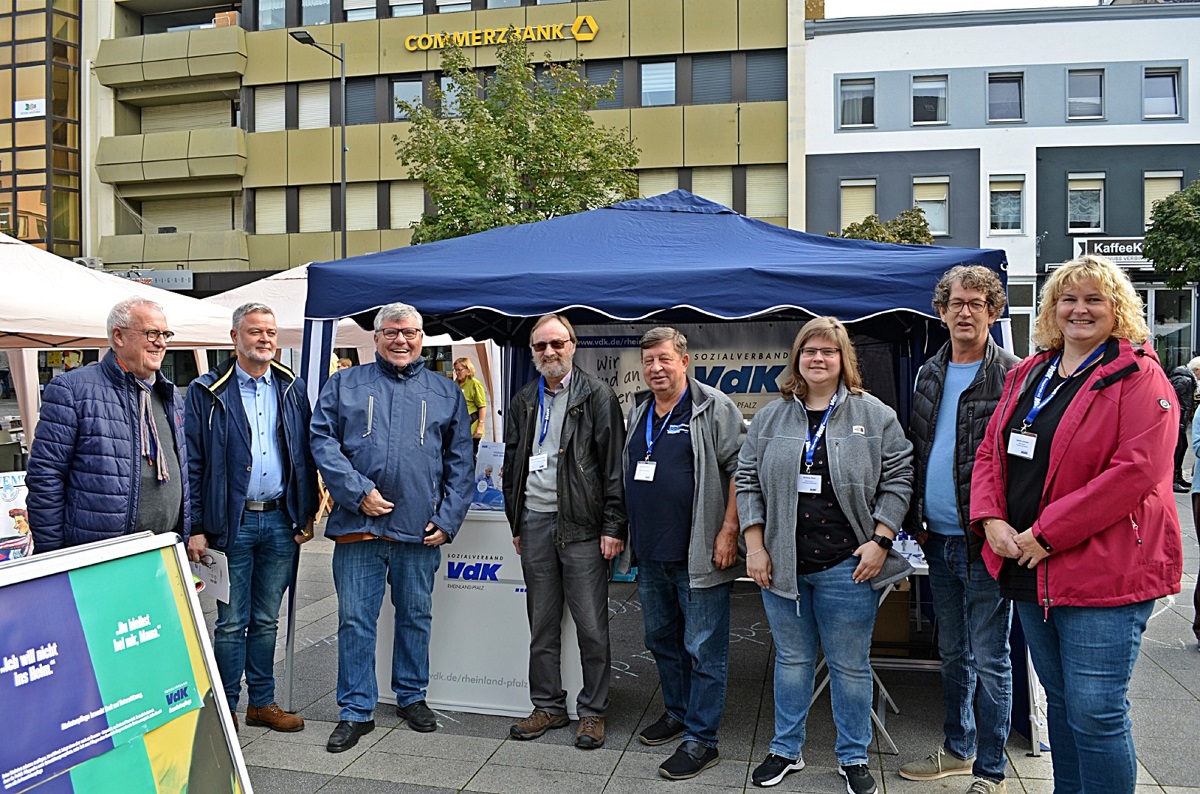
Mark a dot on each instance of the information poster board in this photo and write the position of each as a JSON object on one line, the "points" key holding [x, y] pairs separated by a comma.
{"points": [[15, 540], [106, 675], [488, 465]]}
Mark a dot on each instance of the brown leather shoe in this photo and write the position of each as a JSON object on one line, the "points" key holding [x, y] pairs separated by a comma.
{"points": [[274, 718], [590, 735], [538, 723]]}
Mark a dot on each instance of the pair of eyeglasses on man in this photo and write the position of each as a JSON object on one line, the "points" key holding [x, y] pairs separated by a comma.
{"points": [[557, 344], [390, 334], [976, 306], [152, 334]]}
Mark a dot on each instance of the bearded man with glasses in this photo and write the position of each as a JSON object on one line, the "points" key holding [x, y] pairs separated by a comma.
{"points": [[392, 440], [109, 457], [565, 499]]}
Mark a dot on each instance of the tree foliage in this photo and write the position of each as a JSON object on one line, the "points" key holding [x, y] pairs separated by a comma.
{"points": [[516, 147], [909, 226], [1173, 240]]}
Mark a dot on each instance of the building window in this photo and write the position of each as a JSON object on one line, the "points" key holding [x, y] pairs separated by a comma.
{"points": [[407, 8], [1156, 186], [271, 14], [858, 102], [314, 12], [316, 208], [714, 183], [712, 79], [1085, 203], [1006, 97], [766, 76], [599, 73], [929, 100], [270, 211], [857, 201], [766, 191], [408, 203], [360, 100], [358, 10], [1085, 94], [268, 109], [552, 2], [503, 3], [931, 194], [451, 6], [362, 206], [313, 106], [408, 91], [658, 84], [656, 181], [1160, 94], [449, 97], [1006, 204]]}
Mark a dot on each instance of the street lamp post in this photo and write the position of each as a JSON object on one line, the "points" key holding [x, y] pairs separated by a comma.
{"points": [[304, 37]]}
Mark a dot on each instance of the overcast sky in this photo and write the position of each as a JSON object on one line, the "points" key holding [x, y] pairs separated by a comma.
{"points": [[867, 8]]}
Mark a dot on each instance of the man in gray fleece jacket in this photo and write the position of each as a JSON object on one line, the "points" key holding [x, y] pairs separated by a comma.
{"points": [[680, 454]]}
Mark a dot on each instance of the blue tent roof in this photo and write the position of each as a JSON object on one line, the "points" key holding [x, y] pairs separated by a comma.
{"points": [[671, 255]]}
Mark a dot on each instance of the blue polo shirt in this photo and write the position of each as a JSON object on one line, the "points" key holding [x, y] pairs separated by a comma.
{"points": [[660, 512], [261, 403]]}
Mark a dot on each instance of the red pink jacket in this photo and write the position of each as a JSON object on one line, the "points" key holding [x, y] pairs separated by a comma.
{"points": [[1108, 508]]}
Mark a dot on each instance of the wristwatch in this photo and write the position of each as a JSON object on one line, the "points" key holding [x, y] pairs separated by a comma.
{"points": [[885, 542]]}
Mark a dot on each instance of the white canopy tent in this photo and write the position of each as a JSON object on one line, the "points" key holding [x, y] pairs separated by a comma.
{"points": [[51, 302]]}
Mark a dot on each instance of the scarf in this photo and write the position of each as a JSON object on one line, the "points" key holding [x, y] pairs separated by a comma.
{"points": [[150, 442]]}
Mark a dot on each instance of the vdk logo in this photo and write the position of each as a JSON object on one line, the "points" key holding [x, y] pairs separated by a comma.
{"points": [[742, 380], [473, 572], [178, 696]]}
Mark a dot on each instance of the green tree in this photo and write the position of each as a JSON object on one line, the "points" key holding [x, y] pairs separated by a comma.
{"points": [[516, 148], [1173, 240], [909, 226]]}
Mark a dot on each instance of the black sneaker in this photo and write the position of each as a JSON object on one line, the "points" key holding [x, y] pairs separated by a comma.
{"points": [[858, 779], [774, 769], [667, 729], [690, 759]]}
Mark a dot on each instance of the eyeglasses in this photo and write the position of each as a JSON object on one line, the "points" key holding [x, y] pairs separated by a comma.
{"points": [[390, 334], [976, 306], [152, 334], [826, 352], [557, 344]]}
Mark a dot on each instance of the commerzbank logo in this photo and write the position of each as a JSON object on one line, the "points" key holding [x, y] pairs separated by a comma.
{"points": [[584, 28]]}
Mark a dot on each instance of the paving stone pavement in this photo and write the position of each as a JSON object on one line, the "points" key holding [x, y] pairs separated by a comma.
{"points": [[471, 752]]}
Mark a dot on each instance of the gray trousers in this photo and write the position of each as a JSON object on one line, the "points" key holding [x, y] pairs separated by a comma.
{"points": [[576, 574]]}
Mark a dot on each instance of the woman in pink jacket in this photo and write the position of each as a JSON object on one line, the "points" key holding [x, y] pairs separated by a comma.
{"points": [[1072, 488]]}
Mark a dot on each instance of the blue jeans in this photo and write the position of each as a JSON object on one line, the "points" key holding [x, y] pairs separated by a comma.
{"points": [[261, 561], [360, 571], [687, 630], [830, 608], [973, 623], [1084, 657]]}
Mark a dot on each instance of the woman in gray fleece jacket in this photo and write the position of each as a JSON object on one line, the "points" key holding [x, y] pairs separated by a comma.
{"points": [[823, 484]]}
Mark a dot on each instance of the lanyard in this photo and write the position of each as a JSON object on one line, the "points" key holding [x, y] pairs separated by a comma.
{"points": [[1040, 401], [812, 438], [650, 442], [542, 411]]}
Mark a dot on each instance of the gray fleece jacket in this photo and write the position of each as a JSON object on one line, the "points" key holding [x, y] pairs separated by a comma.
{"points": [[716, 431], [870, 463]]}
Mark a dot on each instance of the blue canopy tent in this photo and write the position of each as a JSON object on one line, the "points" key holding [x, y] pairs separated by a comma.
{"points": [[676, 257]]}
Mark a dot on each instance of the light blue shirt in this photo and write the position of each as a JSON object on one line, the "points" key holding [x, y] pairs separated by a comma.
{"points": [[941, 497], [262, 413]]}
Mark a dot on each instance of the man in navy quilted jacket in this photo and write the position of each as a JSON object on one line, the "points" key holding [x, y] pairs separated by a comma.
{"points": [[108, 455]]}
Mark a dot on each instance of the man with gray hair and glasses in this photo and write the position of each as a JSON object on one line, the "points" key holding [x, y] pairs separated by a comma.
{"points": [[393, 442], [109, 453], [254, 496]]}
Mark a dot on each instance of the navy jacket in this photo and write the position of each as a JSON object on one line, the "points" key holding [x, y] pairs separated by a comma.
{"points": [[405, 432], [84, 470], [219, 461]]}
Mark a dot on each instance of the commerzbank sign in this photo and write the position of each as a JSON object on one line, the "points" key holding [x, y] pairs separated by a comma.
{"points": [[583, 29]]}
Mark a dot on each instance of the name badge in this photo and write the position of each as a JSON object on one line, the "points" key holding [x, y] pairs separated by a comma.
{"points": [[645, 471], [538, 462], [808, 483], [1022, 444]]}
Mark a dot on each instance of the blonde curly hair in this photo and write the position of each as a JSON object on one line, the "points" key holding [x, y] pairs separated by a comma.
{"points": [[1113, 283]]}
